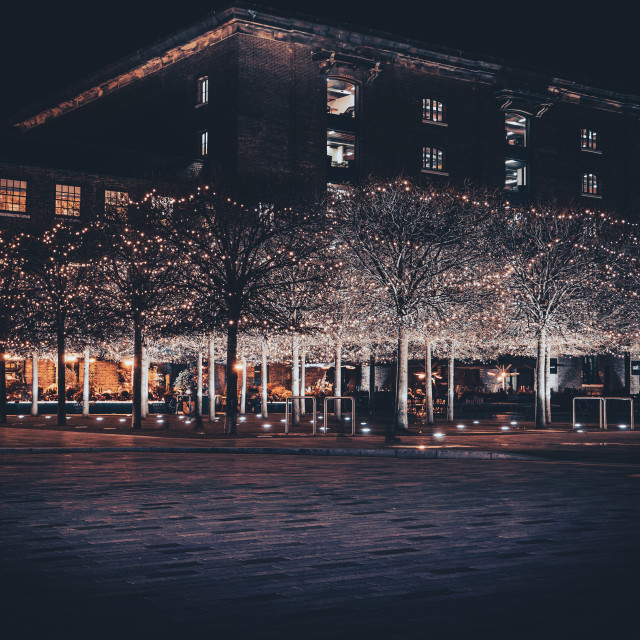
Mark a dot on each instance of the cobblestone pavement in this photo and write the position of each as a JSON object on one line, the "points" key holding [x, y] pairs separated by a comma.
{"points": [[170, 546]]}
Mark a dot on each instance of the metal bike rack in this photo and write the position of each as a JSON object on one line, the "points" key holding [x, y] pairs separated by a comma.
{"points": [[353, 411], [286, 411], [604, 404], [601, 411]]}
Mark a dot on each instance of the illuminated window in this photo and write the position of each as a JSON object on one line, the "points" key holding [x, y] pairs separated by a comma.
{"points": [[516, 127], [432, 159], [432, 110], [590, 185], [515, 178], [67, 200], [341, 149], [588, 140], [203, 90], [13, 195], [341, 97], [116, 204], [204, 143]]}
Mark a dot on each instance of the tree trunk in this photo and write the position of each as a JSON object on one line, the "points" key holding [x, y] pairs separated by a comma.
{"points": [[3, 384], [265, 381], [85, 384], [402, 415], [547, 385], [231, 415], [144, 406], [451, 396], [198, 417], [61, 382], [212, 380], [295, 383], [372, 384], [541, 421], [243, 388], [428, 384], [337, 389], [136, 409], [303, 379], [34, 384]]}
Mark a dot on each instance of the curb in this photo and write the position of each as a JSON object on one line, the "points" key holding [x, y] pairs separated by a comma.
{"points": [[466, 454]]}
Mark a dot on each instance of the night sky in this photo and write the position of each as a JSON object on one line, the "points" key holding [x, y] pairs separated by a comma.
{"points": [[43, 49]]}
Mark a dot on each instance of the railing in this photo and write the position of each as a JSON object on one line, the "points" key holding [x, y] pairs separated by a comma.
{"points": [[286, 411], [602, 410], [338, 413]]}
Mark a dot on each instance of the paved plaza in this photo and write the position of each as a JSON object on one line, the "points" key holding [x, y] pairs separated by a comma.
{"points": [[150, 545]]}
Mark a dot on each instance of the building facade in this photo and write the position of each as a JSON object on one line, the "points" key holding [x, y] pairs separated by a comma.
{"points": [[256, 98], [263, 98]]}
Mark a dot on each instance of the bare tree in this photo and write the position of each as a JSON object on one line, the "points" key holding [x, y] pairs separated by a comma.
{"points": [[12, 301], [59, 270], [140, 280], [555, 264], [236, 250], [408, 242]]}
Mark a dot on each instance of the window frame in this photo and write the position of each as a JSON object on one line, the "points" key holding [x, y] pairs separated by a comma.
{"points": [[591, 138], [525, 186], [439, 154], [527, 127], [77, 198], [204, 143], [203, 91], [592, 183], [356, 93], [14, 193], [429, 111], [118, 208]]}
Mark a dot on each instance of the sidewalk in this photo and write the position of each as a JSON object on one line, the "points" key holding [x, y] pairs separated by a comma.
{"points": [[495, 439]]}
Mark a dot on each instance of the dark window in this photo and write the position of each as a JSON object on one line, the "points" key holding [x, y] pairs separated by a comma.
{"points": [[516, 127], [13, 195], [589, 140], [341, 149], [341, 97], [515, 175], [432, 110], [590, 184], [67, 200], [432, 159], [203, 90]]}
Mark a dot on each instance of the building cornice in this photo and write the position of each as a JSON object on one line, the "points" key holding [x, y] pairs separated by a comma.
{"points": [[339, 39]]}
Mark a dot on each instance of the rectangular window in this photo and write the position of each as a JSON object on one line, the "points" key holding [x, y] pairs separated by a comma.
{"points": [[204, 143], [590, 185], [67, 200], [432, 110], [589, 140], [341, 149], [515, 178], [203, 90], [432, 159], [516, 129], [13, 195], [116, 204]]}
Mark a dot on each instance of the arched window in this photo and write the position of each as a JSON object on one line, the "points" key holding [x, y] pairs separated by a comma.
{"points": [[341, 97]]}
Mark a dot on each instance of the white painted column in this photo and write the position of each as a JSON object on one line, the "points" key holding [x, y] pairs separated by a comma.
{"points": [[85, 384], [34, 384]]}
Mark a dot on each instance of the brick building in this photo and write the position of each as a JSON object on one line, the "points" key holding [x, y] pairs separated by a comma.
{"points": [[254, 97], [279, 98]]}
